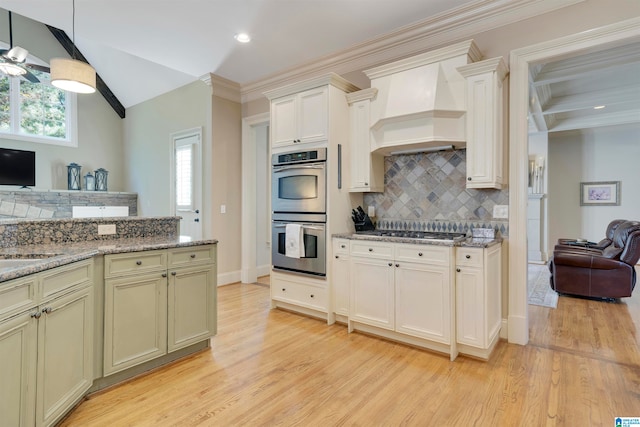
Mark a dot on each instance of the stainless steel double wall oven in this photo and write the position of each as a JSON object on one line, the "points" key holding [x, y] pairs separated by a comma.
{"points": [[299, 196]]}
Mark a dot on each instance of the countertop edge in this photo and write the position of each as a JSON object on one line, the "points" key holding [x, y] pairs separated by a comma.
{"points": [[468, 242]]}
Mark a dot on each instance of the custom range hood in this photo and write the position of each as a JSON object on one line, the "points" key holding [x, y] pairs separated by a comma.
{"points": [[420, 103]]}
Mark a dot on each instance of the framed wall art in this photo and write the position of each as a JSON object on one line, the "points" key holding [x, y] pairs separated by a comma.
{"points": [[603, 193]]}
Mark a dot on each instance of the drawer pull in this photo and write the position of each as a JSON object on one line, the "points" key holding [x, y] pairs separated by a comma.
{"points": [[138, 262], [370, 249], [342, 246], [193, 256], [397, 265], [419, 253], [284, 289], [36, 315], [47, 310], [390, 264], [173, 273], [164, 274], [468, 257], [337, 257], [458, 270], [312, 295]]}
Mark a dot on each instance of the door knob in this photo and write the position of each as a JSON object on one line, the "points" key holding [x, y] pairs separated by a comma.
{"points": [[197, 211]]}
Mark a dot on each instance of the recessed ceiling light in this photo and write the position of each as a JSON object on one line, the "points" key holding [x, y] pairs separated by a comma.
{"points": [[598, 107], [242, 37]]}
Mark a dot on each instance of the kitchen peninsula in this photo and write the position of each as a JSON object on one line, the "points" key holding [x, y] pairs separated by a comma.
{"points": [[87, 303]]}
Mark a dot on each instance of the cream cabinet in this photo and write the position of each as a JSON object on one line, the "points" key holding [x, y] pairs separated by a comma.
{"points": [[367, 169], [157, 302], [478, 299], [404, 288], [46, 349], [485, 123], [340, 276], [299, 118]]}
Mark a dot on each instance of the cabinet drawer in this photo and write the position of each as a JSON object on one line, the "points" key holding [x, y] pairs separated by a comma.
{"points": [[427, 254], [134, 263], [372, 249], [66, 277], [313, 297], [192, 255], [340, 247], [17, 295], [469, 256]]}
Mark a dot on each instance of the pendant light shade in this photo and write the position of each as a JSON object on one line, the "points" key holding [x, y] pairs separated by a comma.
{"points": [[73, 75], [70, 74]]}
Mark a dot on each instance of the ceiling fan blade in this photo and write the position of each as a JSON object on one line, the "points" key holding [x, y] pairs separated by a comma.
{"points": [[42, 68], [29, 76]]}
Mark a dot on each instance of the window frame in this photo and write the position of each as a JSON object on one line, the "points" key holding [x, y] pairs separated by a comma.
{"points": [[71, 116]]}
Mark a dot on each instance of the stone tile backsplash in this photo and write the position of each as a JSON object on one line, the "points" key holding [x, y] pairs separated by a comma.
{"points": [[427, 191]]}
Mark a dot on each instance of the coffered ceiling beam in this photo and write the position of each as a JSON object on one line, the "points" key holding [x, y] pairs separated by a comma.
{"points": [[102, 87]]}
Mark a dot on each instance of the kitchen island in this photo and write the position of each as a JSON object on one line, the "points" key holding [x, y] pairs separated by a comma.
{"points": [[439, 294], [80, 310]]}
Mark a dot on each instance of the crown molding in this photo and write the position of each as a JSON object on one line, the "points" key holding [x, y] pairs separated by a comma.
{"points": [[224, 88], [435, 32], [362, 95], [328, 79]]}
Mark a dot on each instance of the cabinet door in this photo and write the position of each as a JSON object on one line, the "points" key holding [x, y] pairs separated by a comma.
{"points": [[192, 302], [340, 284], [312, 115], [372, 292], [470, 306], [65, 354], [423, 302], [135, 324], [18, 346], [283, 121]]}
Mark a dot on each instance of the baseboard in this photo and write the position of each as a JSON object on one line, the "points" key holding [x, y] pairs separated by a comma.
{"points": [[227, 278]]}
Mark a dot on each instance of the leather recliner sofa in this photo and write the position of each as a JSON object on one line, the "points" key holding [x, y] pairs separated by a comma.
{"points": [[609, 274], [573, 245]]}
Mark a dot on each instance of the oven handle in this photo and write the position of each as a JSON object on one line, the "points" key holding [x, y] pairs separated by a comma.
{"points": [[277, 169], [307, 226]]}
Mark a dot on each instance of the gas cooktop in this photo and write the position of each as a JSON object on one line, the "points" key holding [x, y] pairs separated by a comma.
{"points": [[425, 235]]}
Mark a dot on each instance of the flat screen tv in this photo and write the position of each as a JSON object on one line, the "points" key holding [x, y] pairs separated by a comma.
{"points": [[17, 167]]}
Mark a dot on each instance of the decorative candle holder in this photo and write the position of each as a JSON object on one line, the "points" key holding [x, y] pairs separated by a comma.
{"points": [[89, 182], [73, 176], [101, 179]]}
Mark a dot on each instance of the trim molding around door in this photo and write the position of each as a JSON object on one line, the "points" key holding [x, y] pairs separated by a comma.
{"points": [[249, 272], [196, 131], [520, 59]]}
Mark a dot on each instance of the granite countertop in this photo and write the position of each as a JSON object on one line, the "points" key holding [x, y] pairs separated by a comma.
{"points": [[473, 242], [29, 259]]}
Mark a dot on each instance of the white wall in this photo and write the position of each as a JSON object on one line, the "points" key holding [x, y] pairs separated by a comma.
{"points": [[147, 149], [606, 154], [100, 138]]}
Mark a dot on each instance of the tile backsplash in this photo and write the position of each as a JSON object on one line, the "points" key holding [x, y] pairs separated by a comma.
{"points": [[428, 191]]}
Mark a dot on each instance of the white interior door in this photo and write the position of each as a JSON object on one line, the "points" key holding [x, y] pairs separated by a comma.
{"points": [[186, 177]]}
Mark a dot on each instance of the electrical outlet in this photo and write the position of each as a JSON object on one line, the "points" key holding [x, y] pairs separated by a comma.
{"points": [[371, 211], [106, 229], [223, 209], [501, 211]]}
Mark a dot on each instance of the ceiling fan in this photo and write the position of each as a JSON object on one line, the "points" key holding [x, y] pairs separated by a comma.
{"points": [[12, 61]]}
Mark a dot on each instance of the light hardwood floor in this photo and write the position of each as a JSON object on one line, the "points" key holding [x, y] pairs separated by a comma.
{"points": [[271, 367]]}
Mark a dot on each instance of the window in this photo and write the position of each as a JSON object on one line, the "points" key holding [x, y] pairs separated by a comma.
{"points": [[184, 177], [36, 112]]}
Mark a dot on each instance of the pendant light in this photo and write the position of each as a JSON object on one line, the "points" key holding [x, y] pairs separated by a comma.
{"points": [[70, 74]]}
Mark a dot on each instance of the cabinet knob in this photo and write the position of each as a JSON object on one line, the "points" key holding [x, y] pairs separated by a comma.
{"points": [[469, 179], [343, 246], [312, 296], [390, 264], [196, 220], [138, 262], [46, 310], [366, 184], [36, 315], [284, 289], [458, 270], [173, 273], [397, 265], [337, 257], [193, 256], [164, 274], [419, 253], [468, 257], [370, 249]]}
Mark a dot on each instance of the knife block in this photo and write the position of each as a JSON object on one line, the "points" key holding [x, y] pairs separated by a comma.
{"points": [[365, 225]]}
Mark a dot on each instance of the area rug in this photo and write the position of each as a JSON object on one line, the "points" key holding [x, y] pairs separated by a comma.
{"points": [[538, 290]]}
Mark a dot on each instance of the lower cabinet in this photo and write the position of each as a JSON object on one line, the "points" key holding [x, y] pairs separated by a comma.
{"points": [[372, 292], [169, 307], [47, 350]]}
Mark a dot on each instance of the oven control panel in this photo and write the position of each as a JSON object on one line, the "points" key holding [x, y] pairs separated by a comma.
{"points": [[300, 157]]}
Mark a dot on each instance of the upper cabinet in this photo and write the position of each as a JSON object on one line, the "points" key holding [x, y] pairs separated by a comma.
{"points": [[485, 125], [299, 112], [367, 170]]}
